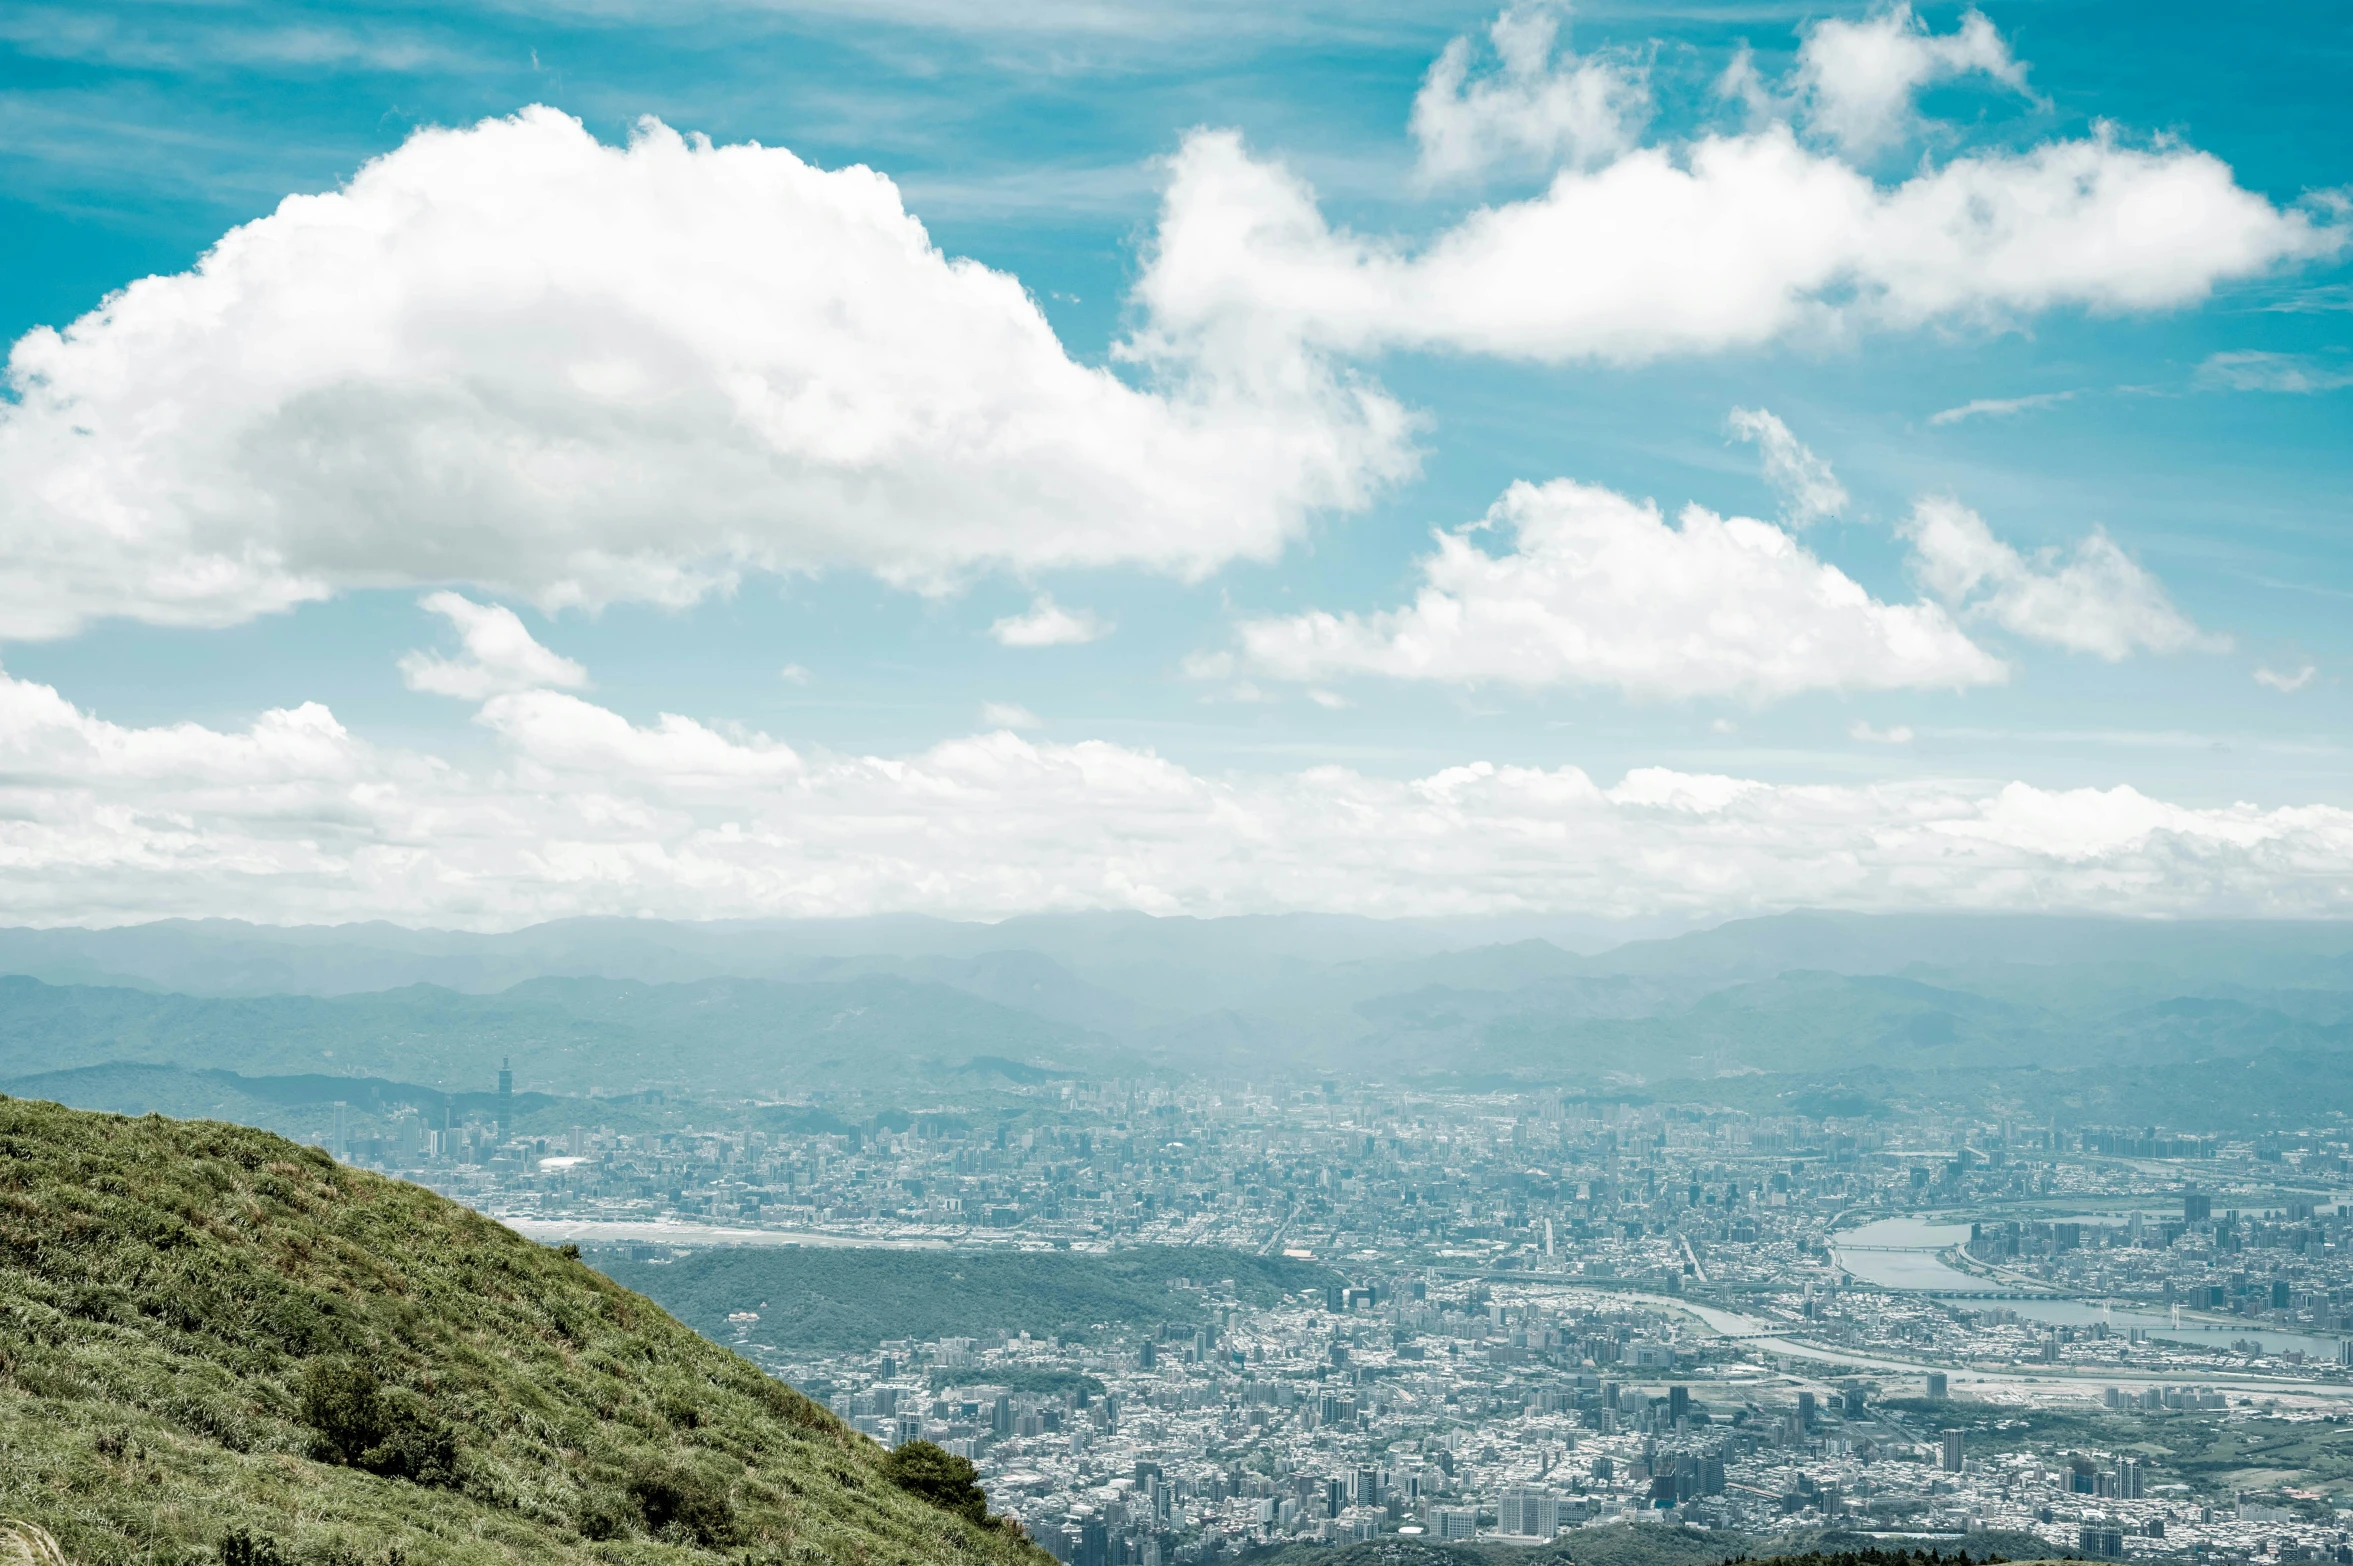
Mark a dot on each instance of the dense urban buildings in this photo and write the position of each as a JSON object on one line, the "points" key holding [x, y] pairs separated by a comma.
{"points": [[1541, 1312]]}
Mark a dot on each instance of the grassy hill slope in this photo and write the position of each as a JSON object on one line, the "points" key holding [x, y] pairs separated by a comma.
{"points": [[217, 1345]]}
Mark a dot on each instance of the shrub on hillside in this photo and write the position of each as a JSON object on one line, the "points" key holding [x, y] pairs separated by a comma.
{"points": [[605, 1516], [240, 1548], [355, 1422], [945, 1480], [674, 1499]]}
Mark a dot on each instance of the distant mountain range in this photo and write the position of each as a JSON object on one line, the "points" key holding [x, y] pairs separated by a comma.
{"points": [[1761, 1011]]}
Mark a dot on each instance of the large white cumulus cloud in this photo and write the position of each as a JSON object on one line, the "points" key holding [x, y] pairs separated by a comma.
{"points": [[1592, 589], [513, 356], [1598, 590], [582, 811], [1731, 242]]}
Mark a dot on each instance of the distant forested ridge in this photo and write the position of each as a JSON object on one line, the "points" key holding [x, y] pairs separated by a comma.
{"points": [[844, 1300]]}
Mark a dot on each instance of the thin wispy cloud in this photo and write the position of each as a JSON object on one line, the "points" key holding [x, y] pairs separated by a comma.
{"points": [[1090, 23], [2090, 598], [1809, 491], [2319, 299], [2289, 683], [1009, 715], [2001, 407], [2255, 371]]}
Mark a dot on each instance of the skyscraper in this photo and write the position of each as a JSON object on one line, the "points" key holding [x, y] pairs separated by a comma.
{"points": [[506, 1095]]}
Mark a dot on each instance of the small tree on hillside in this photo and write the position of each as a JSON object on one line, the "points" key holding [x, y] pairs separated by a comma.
{"points": [[947, 1481]]}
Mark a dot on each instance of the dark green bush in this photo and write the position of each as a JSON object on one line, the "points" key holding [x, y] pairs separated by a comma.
{"points": [[947, 1481], [343, 1403], [355, 1422], [604, 1516], [675, 1500], [240, 1548]]}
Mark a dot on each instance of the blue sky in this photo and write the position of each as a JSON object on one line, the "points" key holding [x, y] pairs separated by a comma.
{"points": [[2184, 398]]}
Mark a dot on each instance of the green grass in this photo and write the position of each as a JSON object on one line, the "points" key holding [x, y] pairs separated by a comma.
{"points": [[195, 1318]]}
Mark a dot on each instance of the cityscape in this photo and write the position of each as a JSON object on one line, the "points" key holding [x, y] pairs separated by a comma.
{"points": [[1546, 1312]]}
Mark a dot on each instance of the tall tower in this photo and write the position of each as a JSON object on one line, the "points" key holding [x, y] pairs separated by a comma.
{"points": [[506, 1094]]}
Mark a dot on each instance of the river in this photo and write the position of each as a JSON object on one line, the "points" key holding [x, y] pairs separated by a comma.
{"points": [[1901, 1254]]}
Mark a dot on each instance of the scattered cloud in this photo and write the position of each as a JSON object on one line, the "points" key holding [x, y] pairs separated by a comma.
{"points": [[2094, 599], [500, 655], [1009, 715], [581, 812], [1809, 491], [1857, 80], [1537, 107], [1047, 624], [1331, 700], [1598, 590], [2286, 684], [793, 674], [512, 356], [1898, 734], [2000, 407], [2271, 372]]}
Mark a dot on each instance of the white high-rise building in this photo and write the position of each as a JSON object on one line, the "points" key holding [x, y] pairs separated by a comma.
{"points": [[1526, 1513]]}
